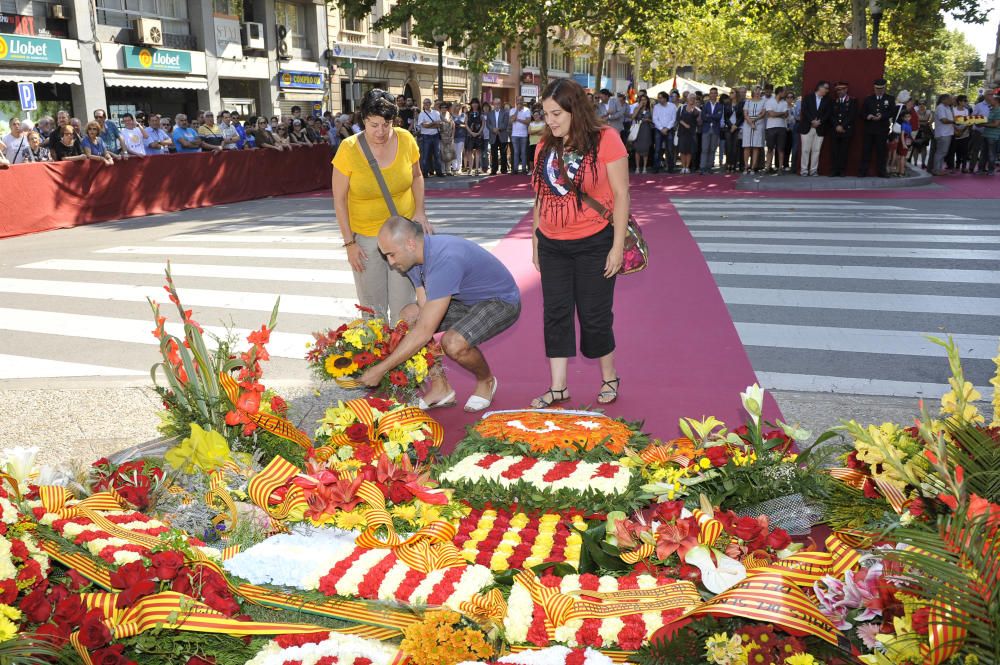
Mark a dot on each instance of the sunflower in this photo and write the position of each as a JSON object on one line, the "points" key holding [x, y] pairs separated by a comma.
{"points": [[341, 365]]}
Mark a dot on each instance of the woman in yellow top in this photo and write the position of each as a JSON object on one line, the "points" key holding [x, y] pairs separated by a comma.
{"points": [[361, 209]]}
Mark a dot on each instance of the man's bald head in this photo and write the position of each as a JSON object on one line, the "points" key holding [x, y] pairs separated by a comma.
{"points": [[401, 241]]}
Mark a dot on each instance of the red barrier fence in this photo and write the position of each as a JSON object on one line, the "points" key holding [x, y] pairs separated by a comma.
{"points": [[40, 197]]}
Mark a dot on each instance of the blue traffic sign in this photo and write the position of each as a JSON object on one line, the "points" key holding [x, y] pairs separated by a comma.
{"points": [[26, 91]]}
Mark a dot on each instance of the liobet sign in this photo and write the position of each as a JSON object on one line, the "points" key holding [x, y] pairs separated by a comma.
{"points": [[15, 48], [145, 58]]}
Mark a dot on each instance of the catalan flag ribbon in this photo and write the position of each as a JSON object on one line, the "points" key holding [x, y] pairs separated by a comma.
{"points": [[266, 421], [366, 415], [430, 548], [856, 478], [275, 475]]}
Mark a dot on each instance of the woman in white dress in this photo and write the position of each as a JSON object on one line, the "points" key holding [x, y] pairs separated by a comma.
{"points": [[753, 130]]}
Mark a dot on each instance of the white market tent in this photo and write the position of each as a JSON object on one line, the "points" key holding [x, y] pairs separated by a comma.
{"points": [[683, 85]]}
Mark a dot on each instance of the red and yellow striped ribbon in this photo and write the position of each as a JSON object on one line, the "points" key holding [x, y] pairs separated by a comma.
{"points": [[806, 568], [430, 548], [486, 608], [709, 528], [644, 552], [410, 415], [10, 480], [944, 641], [175, 611], [561, 608], [771, 598], [266, 421], [274, 476], [856, 478], [219, 499], [666, 454]]}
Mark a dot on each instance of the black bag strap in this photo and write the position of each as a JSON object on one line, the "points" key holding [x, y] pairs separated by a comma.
{"points": [[377, 170]]}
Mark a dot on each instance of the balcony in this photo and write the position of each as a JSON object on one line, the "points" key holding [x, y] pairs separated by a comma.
{"points": [[353, 37]]}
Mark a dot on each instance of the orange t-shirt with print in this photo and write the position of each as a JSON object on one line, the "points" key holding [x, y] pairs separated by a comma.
{"points": [[560, 216]]}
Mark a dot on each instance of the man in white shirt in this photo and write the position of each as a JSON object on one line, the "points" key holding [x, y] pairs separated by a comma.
{"points": [[16, 146], [944, 131], [429, 123], [978, 145], [520, 118], [157, 141], [775, 130], [133, 138], [664, 124], [230, 137]]}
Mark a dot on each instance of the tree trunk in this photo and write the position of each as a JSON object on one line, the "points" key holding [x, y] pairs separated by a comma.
{"points": [[543, 53], [602, 50], [859, 24]]}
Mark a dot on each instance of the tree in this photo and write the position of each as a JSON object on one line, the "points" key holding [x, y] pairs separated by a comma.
{"points": [[609, 23]]}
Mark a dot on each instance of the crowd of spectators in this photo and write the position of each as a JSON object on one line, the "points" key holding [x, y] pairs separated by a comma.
{"points": [[138, 136]]}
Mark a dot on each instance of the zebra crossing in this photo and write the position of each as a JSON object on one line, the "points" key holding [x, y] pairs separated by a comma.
{"points": [[841, 296], [79, 309]]}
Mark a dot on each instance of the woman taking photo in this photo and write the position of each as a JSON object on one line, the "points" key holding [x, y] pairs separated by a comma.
{"points": [[687, 126], [361, 209], [577, 248]]}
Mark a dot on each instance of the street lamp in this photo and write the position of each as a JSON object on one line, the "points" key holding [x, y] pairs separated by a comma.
{"points": [[653, 64], [439, 39], [875, 8]]}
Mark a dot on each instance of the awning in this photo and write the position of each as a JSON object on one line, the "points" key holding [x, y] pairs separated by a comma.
{"points": [[40, 76], [172, 82]]}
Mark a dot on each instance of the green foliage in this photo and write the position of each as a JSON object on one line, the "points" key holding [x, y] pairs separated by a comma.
{"points": [[269, 446], [163, 646], [26, 649], [934, 65]]}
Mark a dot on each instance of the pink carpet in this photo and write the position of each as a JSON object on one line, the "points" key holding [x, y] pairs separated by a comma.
{"points": [[678, 351]]}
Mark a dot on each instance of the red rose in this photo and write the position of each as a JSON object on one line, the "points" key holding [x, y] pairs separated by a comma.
{"points": [[400, 493], [111, 655], [364, 452], [138, 494], [8, 592], [920, 620], [69, 611], [220, 601], [36, 606], [55, 635], [182, 583], [778, 539], [717, 455], [422, 448], [165, 565], [93, 633], [129, 575], [726, 517], [668, 511], [746, 528], [689, 572], [358, 433]]}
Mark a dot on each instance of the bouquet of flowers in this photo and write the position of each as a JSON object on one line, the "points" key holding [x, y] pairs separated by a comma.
{"points": [[136, 481], [345, 353]]}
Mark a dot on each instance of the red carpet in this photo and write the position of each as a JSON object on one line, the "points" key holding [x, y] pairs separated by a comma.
{"points": [[678, 351]]}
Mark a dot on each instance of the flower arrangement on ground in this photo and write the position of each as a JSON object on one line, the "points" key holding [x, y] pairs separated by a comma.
{"points": [[346, 352], [443, 637]]}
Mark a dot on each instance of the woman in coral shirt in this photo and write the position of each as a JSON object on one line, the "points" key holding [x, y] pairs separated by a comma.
{"points": [[578, 248]]}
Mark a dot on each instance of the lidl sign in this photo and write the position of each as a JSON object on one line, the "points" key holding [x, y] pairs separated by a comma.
{"points": [[15, 48], [145, 58]]}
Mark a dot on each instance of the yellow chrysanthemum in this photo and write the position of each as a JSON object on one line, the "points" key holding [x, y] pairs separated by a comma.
{"points": [[350, 521], [995, 382], [340, 365], [407, 513], [801, 659]]}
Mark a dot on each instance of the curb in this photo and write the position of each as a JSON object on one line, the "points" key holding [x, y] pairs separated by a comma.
{"points": [[915, 177]]}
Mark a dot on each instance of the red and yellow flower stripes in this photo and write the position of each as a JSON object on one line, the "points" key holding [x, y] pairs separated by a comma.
{"points": [[502, 540]]}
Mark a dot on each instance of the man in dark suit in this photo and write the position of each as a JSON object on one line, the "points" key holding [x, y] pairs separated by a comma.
{"points": [[845, 110], [813, 120], [877, 112], [498, 123]]}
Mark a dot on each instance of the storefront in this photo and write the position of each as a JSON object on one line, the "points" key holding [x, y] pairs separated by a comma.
{"points": [[303, 88], [153, 80], [53, 65], [498, 88]]}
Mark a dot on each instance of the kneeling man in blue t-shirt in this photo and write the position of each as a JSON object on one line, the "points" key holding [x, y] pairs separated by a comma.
{"points": [[462, 290]]}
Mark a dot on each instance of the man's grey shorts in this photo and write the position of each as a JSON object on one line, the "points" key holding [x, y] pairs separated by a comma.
{"points": [[481, 321], [775, 138]]}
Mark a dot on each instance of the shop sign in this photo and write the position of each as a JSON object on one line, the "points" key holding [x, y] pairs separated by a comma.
{"points": [[14, 48], [228, 41], [492, 79], [529, 90], [17, 24], [149, 59], [300, 80]]}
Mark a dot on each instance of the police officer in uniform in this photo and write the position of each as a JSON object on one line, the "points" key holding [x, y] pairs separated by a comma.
{"points": [[845, 110], [877, 112]]}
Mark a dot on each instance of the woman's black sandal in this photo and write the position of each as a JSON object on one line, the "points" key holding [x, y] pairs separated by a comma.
{"points": [[542, 403], [609, 395]]}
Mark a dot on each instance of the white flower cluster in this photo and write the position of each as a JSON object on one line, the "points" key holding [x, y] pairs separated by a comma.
{"points": [[8, 570], [296, 559], [520, 609], [550, 656], [347, 649], [583, 477]]}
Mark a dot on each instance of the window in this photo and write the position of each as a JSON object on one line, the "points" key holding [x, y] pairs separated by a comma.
{"points": [[529, 58], [293, 17], [228, 7], [581, 64], [556, 60], [622, 71], [122, 14], [351, 23]]}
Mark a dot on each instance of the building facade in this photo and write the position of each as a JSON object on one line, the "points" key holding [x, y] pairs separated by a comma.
{"points": [[260, 57]]}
